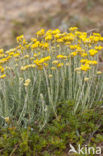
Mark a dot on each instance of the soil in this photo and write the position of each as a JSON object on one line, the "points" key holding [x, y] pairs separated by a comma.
{"points": [[27, 16]]}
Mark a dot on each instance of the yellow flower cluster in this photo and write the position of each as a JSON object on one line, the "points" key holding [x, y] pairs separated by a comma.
{"points": [[27, 66], [53, 50], [42, 60]]}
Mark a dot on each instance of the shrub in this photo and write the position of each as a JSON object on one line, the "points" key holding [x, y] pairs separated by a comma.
{"points": [[52, 67]]}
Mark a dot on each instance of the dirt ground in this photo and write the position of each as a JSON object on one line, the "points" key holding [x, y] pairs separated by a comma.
{"points": [[27, 16]]}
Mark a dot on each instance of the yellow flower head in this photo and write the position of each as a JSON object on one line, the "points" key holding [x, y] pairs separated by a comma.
{"points": [[60, 64], [23, 68], [40, 32], [21, 79], [84, 54], [20, 38], [73, 54], [60, 40], [48, 38], [92, 62], [50, 75], [61, 57], [53, 68], [83, 60], [73, 28], [33, 40], [73, 47], [26, 56], [77, 69], [86, 79], [1, 51], [85, 67], [27, 82], [55, 62], [67, 64], [7, 119], [98, 47], [3, 76], [93, 52], [99, 72]]}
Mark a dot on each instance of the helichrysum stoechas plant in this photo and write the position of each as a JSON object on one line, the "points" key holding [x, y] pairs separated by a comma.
{"points": [[53, 66]]}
